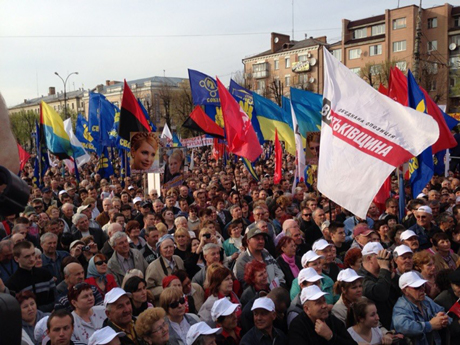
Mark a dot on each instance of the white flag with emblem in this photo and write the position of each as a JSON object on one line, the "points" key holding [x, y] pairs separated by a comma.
{"points": [[364, 137]]}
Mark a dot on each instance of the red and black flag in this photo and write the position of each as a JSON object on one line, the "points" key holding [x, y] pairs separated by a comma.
{"points": [[199, 121], [132, 118]]}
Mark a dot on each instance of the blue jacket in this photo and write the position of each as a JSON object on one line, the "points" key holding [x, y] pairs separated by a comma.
{"points": [[408, 320]]}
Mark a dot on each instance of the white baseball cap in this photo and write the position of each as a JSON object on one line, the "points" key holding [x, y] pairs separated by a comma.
{"points": [[411, 279], [104, 336], [200, 328], [372, 248], [130, 187], [309, 256], [426, 209], [405, 235], [311, 293], [264, 303], [320, 245], [113, 295], [325, 225], [348, 275], [402, 249], [136, 200], [62, 192], [82, 208], [222, 307], [308, 275]]}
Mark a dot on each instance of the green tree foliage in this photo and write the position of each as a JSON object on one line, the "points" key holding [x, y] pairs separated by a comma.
{"points": [[23, 125]]}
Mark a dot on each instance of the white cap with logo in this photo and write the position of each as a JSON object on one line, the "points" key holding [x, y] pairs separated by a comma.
{"points": [[222, 307], [104, 336], [200, 328], [311, 293], [411, 279]]}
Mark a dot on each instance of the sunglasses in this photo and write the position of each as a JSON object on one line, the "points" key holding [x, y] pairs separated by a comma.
{"points": [[306, 214], [174, 305], [100, 263]]}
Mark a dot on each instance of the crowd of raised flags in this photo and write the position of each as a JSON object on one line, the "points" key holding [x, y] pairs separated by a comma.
{"points": [[244, 118]]}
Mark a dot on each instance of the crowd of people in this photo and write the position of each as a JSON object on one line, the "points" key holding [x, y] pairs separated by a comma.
{"points": [[226, 259]]}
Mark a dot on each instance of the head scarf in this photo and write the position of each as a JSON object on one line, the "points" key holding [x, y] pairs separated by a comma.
{"points": [[92, 272]]}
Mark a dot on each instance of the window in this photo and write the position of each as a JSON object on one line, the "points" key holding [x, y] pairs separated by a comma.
{"points": [[402, 65], [287, 62], [260, 67], [457, 21], [287, 80], [433, 45], [277, 64], [378, 30], [303, 78], [261, 85], [303, 58], [337, 53], [455, 39], [73, 106], [433, 85], [356, 70], [375, 50], [399, 46], [454, 62], [399, 23], [432, 23], [452, 82], [360, 33], [354, 53]]}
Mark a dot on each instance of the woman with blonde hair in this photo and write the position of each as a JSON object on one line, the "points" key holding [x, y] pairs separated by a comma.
{"points": [[172, 300], [152, 328], [182, 238], [144, 147]]}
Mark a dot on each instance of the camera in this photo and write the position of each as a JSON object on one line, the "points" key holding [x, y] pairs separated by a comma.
{"points": [[85, 249], [208, 236]]}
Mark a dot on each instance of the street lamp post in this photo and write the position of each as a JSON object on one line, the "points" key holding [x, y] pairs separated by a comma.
{"points": [[65, 91]]}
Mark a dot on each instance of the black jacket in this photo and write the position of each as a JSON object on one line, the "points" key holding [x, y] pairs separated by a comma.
{"points": [[288, 276], [302, 331]]}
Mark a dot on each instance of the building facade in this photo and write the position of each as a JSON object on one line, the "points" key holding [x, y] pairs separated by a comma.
{"points": [[370, 45], [286, 64]]}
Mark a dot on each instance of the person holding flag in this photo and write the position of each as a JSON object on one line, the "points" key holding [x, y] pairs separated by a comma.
{"points": [[450, 300]]}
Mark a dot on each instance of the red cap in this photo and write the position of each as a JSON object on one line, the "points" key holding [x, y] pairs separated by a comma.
{"points": [[167, 280]]}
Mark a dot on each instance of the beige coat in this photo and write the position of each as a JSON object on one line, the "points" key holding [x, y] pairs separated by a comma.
{"points": [[154, 274]]}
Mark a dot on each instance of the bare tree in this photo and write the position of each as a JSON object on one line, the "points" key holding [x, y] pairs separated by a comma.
{"points": [[275, 91]]}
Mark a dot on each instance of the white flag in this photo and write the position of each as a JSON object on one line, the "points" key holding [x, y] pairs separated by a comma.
{"points": [[83, 157], [364, 137], [299, 151]]}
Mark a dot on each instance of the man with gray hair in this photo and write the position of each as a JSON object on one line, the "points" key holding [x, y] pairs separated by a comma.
{"points": [[112, 229], [67, 212], [81, 223], [211, 254], [52, 258], [124, 257]]}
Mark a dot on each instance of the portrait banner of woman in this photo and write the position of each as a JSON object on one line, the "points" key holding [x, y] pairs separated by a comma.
{"points": [[173, 161], [144, 152]]}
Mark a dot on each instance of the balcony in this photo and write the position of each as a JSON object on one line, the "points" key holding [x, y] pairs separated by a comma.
{"points": [[260, 74], [260, 70]]}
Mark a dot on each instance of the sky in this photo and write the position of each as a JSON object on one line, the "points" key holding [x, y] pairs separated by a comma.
{"points": [[131, 39]]}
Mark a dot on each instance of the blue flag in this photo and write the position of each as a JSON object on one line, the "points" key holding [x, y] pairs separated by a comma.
{"points": [[204, 89], [118, 141], [421, 168], [246, 101], [101, 118], [307, 106], [83, 134], [41, 160], [104, 165]]}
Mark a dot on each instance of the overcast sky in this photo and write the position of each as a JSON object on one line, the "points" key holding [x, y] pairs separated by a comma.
{"points": [[112, 40]]}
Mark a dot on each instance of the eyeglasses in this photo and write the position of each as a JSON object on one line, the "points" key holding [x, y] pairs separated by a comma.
{"points": [[306, 214], [100, 263], [174, 305], [164, 325]]}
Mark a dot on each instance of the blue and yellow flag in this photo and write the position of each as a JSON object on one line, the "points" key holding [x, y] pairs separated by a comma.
{"points": [[307, 106], [100, 120], [421, 168], [244, 98], [83, 134], [250, 168], [118, 141], [53, 132], [104, 165], [270, 117]]}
